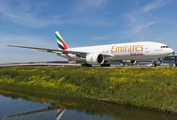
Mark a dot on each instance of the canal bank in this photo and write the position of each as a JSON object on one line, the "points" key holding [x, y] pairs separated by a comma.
{"points": [[152, 88], [24, 105]]}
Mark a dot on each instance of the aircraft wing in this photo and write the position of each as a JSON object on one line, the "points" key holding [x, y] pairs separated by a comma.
{"points": [[50, 50], [77, 53], [107, 55]]}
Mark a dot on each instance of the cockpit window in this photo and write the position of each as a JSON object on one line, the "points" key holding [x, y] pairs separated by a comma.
{"points": [[164, 47]]}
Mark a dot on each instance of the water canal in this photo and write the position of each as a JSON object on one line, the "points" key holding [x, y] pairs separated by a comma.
{"points": [[18, 105]]}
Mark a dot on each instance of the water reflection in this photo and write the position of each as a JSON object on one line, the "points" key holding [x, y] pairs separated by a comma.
{"points": [[58, 116], [60, 113], [87, 107]]}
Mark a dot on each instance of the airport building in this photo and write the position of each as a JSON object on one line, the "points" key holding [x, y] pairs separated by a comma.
{"points": [[171, 59]]}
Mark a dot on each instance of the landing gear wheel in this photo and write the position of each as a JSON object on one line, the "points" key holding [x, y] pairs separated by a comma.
{"points": [[105, 65], [155, 65], [87, 65]]}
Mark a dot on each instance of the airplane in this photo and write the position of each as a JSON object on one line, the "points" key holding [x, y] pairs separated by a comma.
{"points": [[103, 54], [49, 108]]}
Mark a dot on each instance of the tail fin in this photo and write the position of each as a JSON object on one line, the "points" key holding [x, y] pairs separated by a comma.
{"points": [[61, 44]]}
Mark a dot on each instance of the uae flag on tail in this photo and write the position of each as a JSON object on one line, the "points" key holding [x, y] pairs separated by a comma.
{"points": [[59, 113], [61, 44]]}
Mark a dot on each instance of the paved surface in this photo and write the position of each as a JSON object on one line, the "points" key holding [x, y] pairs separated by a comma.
{"points": [[41, 64], [70, 65]]}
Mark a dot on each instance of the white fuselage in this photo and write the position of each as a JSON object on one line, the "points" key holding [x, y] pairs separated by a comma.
{"points": [[125, 51]]}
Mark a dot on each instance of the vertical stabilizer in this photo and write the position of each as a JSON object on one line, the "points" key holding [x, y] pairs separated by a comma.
{"points": [[61, 44]]}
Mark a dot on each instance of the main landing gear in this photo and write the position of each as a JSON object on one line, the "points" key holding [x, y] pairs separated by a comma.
{"points": [[87, 65], [102, 65], [105, 65]]}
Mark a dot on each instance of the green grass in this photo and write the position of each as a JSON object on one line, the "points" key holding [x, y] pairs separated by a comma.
{"points": [[154, 88]]}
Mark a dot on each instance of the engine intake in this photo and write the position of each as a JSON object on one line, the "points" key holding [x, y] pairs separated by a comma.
{"points": [[95, 59]]}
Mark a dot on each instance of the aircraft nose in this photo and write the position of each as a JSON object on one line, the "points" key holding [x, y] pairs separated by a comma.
{"points": [[170, 50]]}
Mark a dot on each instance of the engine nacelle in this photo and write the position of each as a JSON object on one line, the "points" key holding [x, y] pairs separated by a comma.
{"points": [[128, 62], [95, 59]]}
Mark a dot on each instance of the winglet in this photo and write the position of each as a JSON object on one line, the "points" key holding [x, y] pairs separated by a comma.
{"points": [[61, 44]]}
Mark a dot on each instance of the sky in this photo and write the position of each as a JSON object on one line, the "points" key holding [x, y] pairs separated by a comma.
{"points": [[82, 23]]}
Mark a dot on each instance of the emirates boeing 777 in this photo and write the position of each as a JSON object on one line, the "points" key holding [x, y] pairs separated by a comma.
{"points": [[104, 54]]}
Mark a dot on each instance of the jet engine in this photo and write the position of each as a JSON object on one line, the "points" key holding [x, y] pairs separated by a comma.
{"points": [[128, 62], [95, 59]]}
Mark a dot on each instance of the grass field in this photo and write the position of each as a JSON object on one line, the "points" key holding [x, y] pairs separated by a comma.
{"points": [[154, 88]]}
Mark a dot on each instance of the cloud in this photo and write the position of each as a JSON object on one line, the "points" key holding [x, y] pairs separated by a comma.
{"points": [[25, 13], [152, 6], [143, 18], [36, 14], [140, 27], [155, 5], [138, 21], [83, 5], [99, 38], [26, 40]]}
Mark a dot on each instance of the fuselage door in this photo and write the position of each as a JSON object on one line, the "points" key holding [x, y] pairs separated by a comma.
{"points": [[147, 48]]}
